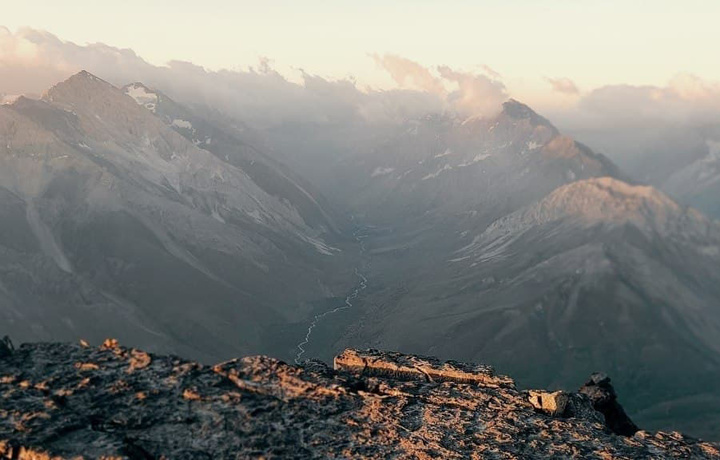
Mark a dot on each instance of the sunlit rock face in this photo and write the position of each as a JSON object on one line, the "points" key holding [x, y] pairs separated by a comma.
{"points": [[62, 401]]}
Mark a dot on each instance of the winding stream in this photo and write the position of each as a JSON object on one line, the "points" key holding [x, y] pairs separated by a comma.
{"points": [[361, 286]]}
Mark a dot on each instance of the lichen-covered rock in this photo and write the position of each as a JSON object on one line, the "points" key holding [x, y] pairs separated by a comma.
{"points": [[255, 407]]}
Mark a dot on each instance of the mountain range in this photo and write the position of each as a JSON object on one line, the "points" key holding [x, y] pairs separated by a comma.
{"points": [[491, 239], [501, 240], [116, 222]]}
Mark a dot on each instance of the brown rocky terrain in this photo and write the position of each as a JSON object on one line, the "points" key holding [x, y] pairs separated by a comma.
{"points": [[77, 401]]}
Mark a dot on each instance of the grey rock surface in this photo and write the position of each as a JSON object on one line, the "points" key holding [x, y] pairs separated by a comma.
{"points": [[70, 401]]}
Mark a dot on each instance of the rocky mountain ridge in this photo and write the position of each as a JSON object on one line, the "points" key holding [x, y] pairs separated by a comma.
{"points": [[77, 401], [239, 145], [110, 215], [442, 165], [613, 203]]}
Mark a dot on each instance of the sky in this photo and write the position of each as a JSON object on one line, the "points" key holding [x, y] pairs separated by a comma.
{"points": [[535, 45]]}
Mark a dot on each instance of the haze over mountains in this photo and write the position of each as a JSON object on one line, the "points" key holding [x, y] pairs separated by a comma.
{"points": [[502, 240], [180, 228], [115, 224]]}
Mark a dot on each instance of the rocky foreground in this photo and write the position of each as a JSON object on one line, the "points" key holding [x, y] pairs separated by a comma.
{"points": [[70, 401]]}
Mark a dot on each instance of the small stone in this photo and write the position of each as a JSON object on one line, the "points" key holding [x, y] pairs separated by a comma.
{"points": [[110, 344], [191, 395], [86, 366], [138, 360]]}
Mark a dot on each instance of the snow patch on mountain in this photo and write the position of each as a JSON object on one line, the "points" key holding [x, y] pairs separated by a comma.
{"points": [[447, 152], [142, 96], [471, 119], [478, 158], [321, 246], [380, 171], [255, 214], [178, 123], [447, 167]]}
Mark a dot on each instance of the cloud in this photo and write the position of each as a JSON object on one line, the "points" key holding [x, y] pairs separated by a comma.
{"points": [[491, 72], [407, 73], [31, 61], [563, 85], [685, 98], [650, 131], [476, 94], [23, 65]]}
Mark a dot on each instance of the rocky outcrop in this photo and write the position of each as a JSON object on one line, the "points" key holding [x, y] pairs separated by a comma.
{"points": [[604, 400], [65, 401]]}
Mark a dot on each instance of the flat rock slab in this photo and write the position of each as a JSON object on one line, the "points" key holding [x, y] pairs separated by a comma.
{"points": [[413, 367]]}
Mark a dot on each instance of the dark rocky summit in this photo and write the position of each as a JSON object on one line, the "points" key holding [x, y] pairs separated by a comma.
{"points": [[72, 401], [604, 400]]}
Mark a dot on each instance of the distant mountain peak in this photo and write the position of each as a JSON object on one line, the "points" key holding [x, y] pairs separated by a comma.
{"points": [[17, 100], [83, 76], [606, 197], [10, 99], [608, 201], [82, 82], [515, 109]]}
